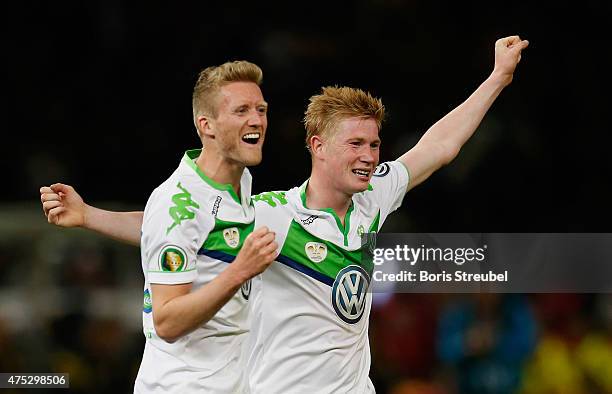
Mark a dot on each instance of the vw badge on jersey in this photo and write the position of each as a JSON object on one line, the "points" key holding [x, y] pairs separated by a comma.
{"points": [[231, 236], [315, 251], [349, 293]]}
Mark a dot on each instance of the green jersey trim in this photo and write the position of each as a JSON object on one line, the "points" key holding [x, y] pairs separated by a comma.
{"points": [[374, 225], [347, 217], [189, 158], [227, 237], [326, 261], [171, 272]]}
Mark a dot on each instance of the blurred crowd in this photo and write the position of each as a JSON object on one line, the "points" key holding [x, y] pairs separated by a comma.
{"points": [[73, 304], [493, 343]]}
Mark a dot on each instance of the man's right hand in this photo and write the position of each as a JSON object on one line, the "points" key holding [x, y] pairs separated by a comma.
{"points": [[63, 206], [257, 253]]}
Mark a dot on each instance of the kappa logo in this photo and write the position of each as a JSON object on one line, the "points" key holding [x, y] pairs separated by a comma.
{"points": [[232, 237], [309, 220], [215, 208], [271, 198], [349, 293], [382, 170], [245, 289], [179, 211], [315, 251], [172, 259]]}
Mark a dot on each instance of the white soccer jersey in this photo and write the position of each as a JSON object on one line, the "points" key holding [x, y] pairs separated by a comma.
{"points": [[310, 308], [192, 228]]}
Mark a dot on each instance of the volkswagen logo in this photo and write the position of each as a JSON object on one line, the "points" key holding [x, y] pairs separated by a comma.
{"points": [[349, 293]]}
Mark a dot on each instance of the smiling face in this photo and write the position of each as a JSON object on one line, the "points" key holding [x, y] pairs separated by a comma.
{"points": [[238, 131], [350, 154]]}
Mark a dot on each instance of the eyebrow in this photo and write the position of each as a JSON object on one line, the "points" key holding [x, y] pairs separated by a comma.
{"points": [[264, 104], [361, 139]]}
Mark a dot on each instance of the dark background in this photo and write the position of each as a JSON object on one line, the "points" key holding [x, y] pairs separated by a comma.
{"points": [[98, 95]]}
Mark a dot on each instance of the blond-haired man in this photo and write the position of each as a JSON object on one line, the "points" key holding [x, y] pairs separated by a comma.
{"points": [[194, 224]]}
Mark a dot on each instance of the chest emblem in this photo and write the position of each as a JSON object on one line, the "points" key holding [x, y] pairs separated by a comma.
{"points": [[315, 251], [231, 236]]}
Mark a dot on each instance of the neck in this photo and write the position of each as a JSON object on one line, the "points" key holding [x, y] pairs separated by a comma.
{"points": [[321, 193], [220, 170]]}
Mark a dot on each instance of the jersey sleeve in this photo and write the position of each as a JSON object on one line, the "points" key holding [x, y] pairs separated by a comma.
{"points": [[174, 228], [388, 187]]}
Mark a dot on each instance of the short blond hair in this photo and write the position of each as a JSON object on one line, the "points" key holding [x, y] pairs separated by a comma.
{"points": [[211, 79], [335, 104]]}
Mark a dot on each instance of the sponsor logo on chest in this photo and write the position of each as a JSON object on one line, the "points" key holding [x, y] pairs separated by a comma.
{"points": [[349, 293]]}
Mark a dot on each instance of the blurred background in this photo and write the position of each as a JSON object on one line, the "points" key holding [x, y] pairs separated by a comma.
{"points": [[98, 95]]}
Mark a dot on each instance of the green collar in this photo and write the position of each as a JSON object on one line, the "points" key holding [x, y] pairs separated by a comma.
{"points": [[190, 157], [347, 218]]}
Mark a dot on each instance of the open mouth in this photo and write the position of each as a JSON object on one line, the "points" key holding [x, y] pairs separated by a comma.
{"points": [[251, 138], [362, 173]]}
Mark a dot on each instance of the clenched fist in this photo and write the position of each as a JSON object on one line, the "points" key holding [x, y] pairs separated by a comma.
{"points": [[508, 55], [257, 253], [62, 205]]}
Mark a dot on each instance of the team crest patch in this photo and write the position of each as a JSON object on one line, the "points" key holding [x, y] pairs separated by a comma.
{"points": [[172, 259], [316, 251], [360, 230], [231, 236], [147, 305], [349, 293]]}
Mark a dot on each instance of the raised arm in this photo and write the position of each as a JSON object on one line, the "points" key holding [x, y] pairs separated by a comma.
{"points": [[64, 207], [442, 142]]}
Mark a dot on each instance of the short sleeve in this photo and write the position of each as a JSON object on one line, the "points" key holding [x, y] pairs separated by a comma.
{"points": [[388, 186], [174, 228]]}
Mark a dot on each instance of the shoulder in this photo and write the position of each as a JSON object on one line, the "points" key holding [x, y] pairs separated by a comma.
{"points": [[180, 201], [274, 209], [270, 199], [390, 172]]}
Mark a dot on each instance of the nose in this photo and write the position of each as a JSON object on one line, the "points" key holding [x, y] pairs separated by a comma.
{"points": [[256, 119], [368, 156]]}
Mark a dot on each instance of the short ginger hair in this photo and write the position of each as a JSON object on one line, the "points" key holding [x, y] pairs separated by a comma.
{"points": [[211, 79], [335, 104]]}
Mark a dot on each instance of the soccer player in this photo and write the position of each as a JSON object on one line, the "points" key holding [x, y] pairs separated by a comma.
{"points": [[310, 310], [309, 327], [194, 224]]}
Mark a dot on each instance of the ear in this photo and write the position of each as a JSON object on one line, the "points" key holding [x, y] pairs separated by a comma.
{"points": [[205, 126], [316, 145]]}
